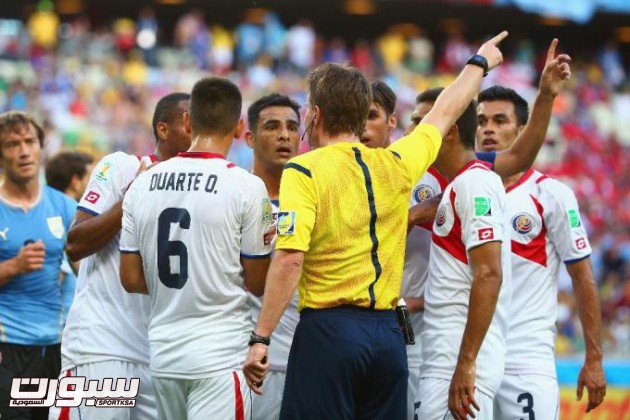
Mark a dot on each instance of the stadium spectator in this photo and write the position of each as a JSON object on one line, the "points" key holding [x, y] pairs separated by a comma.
{"points": [[34, 220]]}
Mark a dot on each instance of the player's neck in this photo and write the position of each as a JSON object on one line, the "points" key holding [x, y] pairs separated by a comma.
{"points": [[211, 144], [21, 194], [454, 162], [270, 177], [511, 180], [339, 138]]}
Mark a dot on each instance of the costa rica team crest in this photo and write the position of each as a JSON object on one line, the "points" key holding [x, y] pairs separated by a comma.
{"points": [[422, 193], [440, 217], [523, 223]]}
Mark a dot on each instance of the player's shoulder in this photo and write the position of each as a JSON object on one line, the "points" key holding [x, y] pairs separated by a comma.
{"points": [[57, 198], [115, 164], [553, 189], [477, 171], [121, 158]]}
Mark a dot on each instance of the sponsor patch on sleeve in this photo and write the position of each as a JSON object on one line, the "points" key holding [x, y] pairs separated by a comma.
{"points": [[482, 206], [104, 172], [267, 216], [574, 218], [580, 243], [286, 223], [486, 234], [92, 197]]}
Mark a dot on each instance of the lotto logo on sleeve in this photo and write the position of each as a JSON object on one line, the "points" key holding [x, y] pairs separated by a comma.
{"points": [[286, 223], [486, 234], [580, 243], [482, 206], [92, 197]]}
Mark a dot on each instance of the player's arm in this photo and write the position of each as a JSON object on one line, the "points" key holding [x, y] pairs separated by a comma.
{"points": [[423, 213], [592, 373], [131, 268], [132, 273], [255, 274], [90, 233], [296, 219], [521, 155], [485, 262], [30, 258], [457, 96]]}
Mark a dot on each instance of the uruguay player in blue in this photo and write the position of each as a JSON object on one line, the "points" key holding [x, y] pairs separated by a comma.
{"points": [[34, 220]]}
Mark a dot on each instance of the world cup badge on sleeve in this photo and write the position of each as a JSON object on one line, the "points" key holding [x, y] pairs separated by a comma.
{"points": [[286, 223]]}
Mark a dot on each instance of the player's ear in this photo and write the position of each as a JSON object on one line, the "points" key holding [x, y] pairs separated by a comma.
{"points": [[161, 129], [187, 128], [240, 127], [249, 139], [392, 121]]}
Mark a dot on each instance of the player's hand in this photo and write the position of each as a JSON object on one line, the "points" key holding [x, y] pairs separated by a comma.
{"points": [[423, 212], [461, 394], [592, 376], [256, 366], [491, 52], [556, 72], [31, 257]]}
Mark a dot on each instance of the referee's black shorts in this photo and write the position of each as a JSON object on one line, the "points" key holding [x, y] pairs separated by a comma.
{"points": [[18, 361], [346, 363]]}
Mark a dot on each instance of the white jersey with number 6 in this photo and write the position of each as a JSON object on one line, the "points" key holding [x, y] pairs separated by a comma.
{"points": [[191, 219], [472, 212]]}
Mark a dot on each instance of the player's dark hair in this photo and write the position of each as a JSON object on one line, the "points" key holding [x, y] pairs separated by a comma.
{"points": [[501, 93], [63, 166], [15, 121], [167, 110], [343, 96], [273, 99], [383, 95], [466, 123], [215, 106]]}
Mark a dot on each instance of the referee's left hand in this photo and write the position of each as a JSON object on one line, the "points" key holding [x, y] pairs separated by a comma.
{"points": [[256, 366]]}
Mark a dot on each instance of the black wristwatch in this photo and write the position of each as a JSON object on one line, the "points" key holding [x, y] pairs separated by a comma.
{"points": [[255, 338], [479, 60]]}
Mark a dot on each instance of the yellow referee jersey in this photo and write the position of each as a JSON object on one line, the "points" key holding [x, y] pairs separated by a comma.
{"points": [[345, 205]]}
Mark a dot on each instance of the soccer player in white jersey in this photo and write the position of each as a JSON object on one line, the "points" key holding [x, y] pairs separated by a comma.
{"points": [[546, 232], [106, 330], [468, 286], [425, 195], [274, 122], [190, 226]]}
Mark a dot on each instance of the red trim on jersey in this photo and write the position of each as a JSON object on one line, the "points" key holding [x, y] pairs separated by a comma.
{"points": [[64, 414], [427, 225], [153, 158], [541, 179], [521, 180], [440, 178], [201, 155], [536, 249], [239, 413], [452, 243], [475, 163], [231, 165]]}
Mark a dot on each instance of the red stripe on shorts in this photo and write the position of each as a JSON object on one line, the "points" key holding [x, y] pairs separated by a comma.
{"points": [[239, 412], [64, 414]]}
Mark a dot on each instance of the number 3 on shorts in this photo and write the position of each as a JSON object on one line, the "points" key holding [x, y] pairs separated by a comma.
{"points": [[529, 408]]}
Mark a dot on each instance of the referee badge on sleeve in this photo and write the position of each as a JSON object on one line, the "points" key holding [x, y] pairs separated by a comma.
{"points": [[286, 223]]}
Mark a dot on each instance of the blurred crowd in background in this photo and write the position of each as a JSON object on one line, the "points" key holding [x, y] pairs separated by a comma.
{"points": [[94, 89]]}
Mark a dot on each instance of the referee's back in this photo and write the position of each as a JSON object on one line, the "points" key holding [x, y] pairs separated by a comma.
{"points": [[346, 206]]}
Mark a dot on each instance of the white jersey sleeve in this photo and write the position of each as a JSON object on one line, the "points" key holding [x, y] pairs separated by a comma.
{"points": [[562, 218], [107, 183], [257, 222], [128, 238], [481, 208]]}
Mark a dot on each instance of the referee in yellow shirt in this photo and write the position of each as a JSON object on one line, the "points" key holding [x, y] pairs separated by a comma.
{"points": [[341, 231]]}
